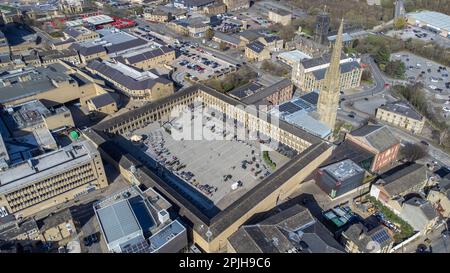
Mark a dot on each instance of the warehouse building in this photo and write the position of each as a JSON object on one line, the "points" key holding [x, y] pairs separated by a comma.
{"points": [[431, 20]]}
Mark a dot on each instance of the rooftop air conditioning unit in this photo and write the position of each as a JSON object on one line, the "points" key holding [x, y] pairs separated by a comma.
{"points": [[163, 216]]}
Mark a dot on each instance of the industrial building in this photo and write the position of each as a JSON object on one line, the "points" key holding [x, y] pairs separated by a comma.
{"points": [[133, 221], [212, 220], [340, 178], [434, 21]]}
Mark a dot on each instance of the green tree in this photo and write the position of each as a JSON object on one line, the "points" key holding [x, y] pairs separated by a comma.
{"points": [[399, 23], [222, 46], [383, 55], [209, 34], [395, 69]]}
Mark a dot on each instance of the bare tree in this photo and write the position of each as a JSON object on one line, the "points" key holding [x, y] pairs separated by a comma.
{"points": [[412, 152]]}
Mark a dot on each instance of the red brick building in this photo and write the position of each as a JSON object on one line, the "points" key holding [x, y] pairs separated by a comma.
{"points": [[380, 141]]}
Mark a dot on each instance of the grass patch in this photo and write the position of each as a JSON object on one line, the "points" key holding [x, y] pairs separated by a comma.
{"points": [[406, 230], [268, 160]]}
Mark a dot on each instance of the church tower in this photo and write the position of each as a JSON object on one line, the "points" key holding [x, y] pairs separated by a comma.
{"points": [[328, 102]]}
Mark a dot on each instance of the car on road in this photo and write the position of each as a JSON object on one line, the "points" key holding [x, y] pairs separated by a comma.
{"points": [[351, 116], [421, 248], [424, 143]]}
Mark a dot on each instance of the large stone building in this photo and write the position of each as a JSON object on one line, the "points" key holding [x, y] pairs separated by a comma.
{"points": [[402, 115], [51, 179], [210, 225], [255, 93], [233, 5], [329, 93], [136, 84], [399, 182], [148, 58], [54, 84], [309, 74], [280, 16], [80, 34]]}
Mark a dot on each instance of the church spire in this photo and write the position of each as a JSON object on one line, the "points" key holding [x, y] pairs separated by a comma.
{"points": [[329, 94]]}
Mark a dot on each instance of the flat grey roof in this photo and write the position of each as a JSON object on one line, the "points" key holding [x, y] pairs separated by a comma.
{"points": [[164, 235], [118, 221], [436, 19], [343, 170], [46, 165]]}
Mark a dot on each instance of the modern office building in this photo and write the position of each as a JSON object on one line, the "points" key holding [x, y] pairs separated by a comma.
{"points": [[340, 178], [51, 178]]}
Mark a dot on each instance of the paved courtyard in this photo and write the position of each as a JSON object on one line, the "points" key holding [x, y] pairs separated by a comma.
{"points": [[218, 166]]}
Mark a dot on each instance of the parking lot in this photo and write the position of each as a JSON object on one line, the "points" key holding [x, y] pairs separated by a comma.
{"points": [[197, 64], [413, 32], [434, 76]]}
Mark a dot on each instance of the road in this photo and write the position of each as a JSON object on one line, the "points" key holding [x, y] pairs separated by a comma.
{"points": [[436, 241], [399, 9], [378, 77]]}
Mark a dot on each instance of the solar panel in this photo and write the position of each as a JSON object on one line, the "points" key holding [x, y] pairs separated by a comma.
{"points": [[289, 107], [381, 236], [141, 247]]}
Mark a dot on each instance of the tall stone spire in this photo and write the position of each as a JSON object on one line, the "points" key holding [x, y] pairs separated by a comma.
{"points": [[328, 102]]}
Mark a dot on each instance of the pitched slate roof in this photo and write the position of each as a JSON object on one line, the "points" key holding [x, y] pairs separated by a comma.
{"points": [[344, 68], [123, 79], [147, 55], [102, 100], [377, 136], [292, 229], [424, 207], [400, 181], [256, 46], [362, 237]]}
